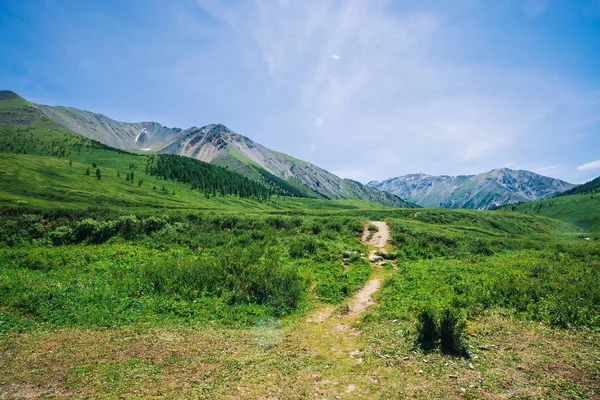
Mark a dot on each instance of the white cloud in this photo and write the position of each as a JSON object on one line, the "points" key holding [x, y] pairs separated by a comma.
{"points": [[335, 56], [590, 165], [546, 169]]}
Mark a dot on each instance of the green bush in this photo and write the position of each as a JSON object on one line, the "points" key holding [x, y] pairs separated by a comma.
{"points": [[315, 227], [303, 246], [427, 331], [451, 332], [61, 236], [444, 331], [128, 226], [153, 224]]}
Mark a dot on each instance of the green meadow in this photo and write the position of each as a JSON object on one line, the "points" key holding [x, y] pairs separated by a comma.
{"points": [[130, 282]]}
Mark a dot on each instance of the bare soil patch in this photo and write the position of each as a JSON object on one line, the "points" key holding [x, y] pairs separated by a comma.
{"points": [[379, 238]]}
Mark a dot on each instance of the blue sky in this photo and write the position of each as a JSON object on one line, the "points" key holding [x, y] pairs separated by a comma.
{"points": [[365, 89]]}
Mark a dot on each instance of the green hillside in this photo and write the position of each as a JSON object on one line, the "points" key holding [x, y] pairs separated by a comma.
{"points": [[580, 210], [590, 187], [43, 164]]}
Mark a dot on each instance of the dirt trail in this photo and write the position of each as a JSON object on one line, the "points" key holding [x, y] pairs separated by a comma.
{"points": [[362, 299], [379, 238], [335, 336]]}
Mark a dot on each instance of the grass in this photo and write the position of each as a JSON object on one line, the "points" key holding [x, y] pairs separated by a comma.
{"points": [[76, 323], [95, 272], [580, 210], [41, 182], [112, 289]]}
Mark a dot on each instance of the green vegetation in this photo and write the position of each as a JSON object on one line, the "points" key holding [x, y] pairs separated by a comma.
{"points": [[580, 210], [206, 177], [94, 271], [535, 275], [444, 331], [590, 187], [156, 276]]}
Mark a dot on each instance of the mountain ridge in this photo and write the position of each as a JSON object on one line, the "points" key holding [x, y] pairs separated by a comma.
{"points": [[487, 190], [217, 144]]}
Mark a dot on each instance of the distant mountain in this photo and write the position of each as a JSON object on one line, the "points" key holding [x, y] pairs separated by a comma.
{"points": [[482, 191], [218, 145]]}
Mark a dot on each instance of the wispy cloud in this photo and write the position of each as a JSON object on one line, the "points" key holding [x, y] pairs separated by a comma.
{"points": [[547, 169], [379, 87], [590, 165], [390, 89]]}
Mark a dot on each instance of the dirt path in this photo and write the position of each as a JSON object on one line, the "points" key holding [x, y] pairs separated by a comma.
{"points": [[333, 333], [362, 299], [379, 238]]}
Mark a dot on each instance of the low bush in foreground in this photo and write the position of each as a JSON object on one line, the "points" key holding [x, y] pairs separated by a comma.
{"points": [[443, 330]]}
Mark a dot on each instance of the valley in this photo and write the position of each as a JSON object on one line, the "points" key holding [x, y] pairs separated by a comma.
{"points": [[129, 273]]}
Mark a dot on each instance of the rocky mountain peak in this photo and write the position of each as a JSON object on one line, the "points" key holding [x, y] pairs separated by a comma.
{"points": [[491, 189]]}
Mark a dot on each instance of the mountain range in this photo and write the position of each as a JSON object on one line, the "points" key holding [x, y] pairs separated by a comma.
{"points": [[216, 144], [482, 191]]}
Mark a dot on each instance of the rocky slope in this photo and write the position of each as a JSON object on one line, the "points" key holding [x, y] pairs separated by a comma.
{"points": [[218, 145], [122, 135], [482, 191]]}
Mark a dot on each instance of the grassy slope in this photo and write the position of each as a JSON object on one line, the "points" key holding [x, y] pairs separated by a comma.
{"points": [[582, 211], [43, 178], [46, 182]]}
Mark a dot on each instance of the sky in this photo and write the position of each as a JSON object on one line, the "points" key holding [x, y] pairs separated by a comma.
{"points": [[365, 89]]}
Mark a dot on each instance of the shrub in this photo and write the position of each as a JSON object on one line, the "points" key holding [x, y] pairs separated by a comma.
{"points": [[354, 226], [85, 229], [427, 332], [451, 331], [153, 224], [335, 224], [445, 332], [276, 222], [61, 236], [303, 246], [372, 228], [315, 227], [127, 225]]}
